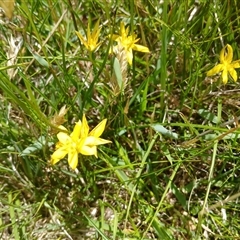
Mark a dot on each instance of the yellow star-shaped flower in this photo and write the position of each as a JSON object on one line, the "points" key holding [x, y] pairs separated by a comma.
{"points": [[79, 141], [91, 43], [90, 140], [226, 65], [128, 42], [67, 145]]}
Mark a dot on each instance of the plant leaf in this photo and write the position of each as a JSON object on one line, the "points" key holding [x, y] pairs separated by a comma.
{"points": [[159, 128], [208, 115]]}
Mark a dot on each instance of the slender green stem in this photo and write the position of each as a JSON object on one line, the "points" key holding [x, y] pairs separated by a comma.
{"points": [[201, 213], [144, 159], [164, 56], [163, 196]]}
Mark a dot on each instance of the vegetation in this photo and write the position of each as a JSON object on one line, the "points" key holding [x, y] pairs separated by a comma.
{"points": [[169, 167]]}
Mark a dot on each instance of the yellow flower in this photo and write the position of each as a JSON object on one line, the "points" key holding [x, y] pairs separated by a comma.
{"points": [[128, 42], [79, 141], [91, 43], [226, 65], [89, 141], [67, 145]]}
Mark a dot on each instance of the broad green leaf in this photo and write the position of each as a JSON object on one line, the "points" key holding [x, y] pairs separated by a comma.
{"points": [[118, 73], [159, 128], [41, 60], [37, 145], [208, 115]]}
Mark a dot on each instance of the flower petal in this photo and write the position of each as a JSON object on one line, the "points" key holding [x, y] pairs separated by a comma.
{"points": [[60, 127], [89, 150], [98, 130], [229, 55], [58, 145], [84, 42], [76, 131], [93, 141], [63, 138], [58, 155], [140, 48], [129, 56], [225, 76], [215, 70], [88, 34], [123, 31], [236, 64], [133, 38], [96, 32], [85, 127], [115, 37], [233, 74], [222, 55], [73, 159]]}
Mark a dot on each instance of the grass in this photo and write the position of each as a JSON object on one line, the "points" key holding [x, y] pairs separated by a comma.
{"points": [[171, 171]]}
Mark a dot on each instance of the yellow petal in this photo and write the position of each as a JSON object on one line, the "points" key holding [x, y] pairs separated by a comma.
{"points": [[85, 127], [131, 40], [73, 159], [63, 138], [58, 155], [89, 150], [83, 41], [229, 55], [225, 76], [98, 130], [123, 31], [96, 31], [140, 48], [58, 145], [233, 74], [129, 56], [88, 34], [96, 46], [236, 64], [62, 128], [93, 141], [76, 131], [215, 70], [115, 37], [222, 55]]}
